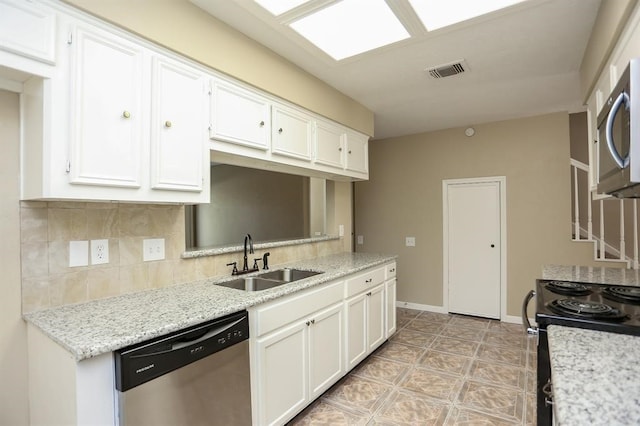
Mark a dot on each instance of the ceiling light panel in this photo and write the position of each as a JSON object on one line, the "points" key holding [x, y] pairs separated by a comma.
{"points": [[278, 7], [350, 27], [436, 14]]}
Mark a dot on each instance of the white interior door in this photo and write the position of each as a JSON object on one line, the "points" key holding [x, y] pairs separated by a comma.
{"points": [[473, 245]]}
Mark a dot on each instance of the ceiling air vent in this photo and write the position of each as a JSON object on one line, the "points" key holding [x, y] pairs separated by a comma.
{"points": [[447, 70]]}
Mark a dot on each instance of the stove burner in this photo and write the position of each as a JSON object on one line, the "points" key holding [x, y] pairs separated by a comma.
{"points": [[591, 310], [567, 288], [628, 294]]}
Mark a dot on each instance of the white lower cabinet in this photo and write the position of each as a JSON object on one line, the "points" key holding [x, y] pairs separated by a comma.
{"points": [[366, 324], [390, 294], [298, 363], [304, 343]]}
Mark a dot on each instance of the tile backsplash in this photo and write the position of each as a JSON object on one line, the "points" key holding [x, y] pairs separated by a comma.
{"points": [[48, 227]]}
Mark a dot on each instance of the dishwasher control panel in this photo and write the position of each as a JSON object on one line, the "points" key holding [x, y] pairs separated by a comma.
{"points": [[139, 363]]}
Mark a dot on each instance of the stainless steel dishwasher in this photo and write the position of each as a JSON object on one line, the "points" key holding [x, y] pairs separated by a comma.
{"points": [[197, 376]]}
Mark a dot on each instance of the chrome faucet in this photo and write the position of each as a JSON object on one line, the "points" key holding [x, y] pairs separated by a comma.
{"points": [[245, 266]]}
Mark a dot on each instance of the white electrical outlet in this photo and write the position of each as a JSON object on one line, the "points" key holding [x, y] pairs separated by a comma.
{"points": [[340, 230], [360, 239], [410, 241], [78, 253], [99, 252], [153, 249]]}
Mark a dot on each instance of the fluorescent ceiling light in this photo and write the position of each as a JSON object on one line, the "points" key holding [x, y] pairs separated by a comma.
{"points": [[350, 27], [436, 14], [277, 7]]}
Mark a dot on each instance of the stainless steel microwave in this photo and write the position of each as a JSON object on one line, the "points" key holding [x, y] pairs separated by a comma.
{"points": [[619, 136]]}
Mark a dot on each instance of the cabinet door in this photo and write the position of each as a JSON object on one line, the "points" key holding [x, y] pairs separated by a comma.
{"points": [[107, 110], [329, 144], [357, 153], [390, 294], [239, 116], [292, 133], [356, 337], [177, 126], [326, 357], [282, 374], [28, 28], [376, 308]]}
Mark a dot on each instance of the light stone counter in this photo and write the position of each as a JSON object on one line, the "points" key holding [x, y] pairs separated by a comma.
{"points": [[595, 375], [100, 326], [590, 274]]}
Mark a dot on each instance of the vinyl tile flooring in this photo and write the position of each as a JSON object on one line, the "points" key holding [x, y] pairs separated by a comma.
{"points": [[437, 369]]}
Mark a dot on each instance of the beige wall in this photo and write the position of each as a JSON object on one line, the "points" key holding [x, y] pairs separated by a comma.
{"points": [[183, 27], [612, 16], [14, 409], [404, 198]]}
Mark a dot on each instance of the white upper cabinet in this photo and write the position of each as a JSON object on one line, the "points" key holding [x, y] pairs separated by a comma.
{"points": [[239, 116], [119, 120], [107, 115], [178, 132], [254, 129], [292, 132], [357, 153], [28, 28], [329, 144]]}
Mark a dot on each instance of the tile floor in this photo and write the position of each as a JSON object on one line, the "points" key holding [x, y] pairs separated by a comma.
{"points": [[437, 369]]}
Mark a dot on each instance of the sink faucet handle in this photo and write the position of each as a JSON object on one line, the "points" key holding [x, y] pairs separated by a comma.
{"points": [[235, 268], [265, 261], [255, 263]]}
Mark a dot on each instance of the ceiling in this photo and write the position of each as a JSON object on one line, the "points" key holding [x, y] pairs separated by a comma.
{"points": [[521, 61]]}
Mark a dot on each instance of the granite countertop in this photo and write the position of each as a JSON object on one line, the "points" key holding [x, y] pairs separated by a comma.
{"points": [[592, 274], [93, 328], [595, 375]]}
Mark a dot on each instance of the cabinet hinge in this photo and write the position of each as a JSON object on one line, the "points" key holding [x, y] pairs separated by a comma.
{"points": [[70, 38], [68, 169]]}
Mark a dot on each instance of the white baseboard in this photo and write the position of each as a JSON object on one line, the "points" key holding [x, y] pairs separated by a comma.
{"points": [[420, 307], [512, 319]]}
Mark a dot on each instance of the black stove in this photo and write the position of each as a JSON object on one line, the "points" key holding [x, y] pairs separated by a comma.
{"points": [[602, 307]]}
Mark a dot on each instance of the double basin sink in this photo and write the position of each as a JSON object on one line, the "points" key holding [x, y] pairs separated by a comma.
{"points": [[269, 279]]}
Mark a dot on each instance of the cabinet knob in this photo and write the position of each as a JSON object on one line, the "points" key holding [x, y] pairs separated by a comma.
{"points": [[369, 294], [126, 114], [340, 149], [280, 130], [167, 124], [369, 280], [262, 124], [308, 323], [349, 151]]}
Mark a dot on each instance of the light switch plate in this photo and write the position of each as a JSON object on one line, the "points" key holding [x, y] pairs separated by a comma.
{"points": [[360, 239], [153, 249], [78, 253], [99, 252], [410, 241]]}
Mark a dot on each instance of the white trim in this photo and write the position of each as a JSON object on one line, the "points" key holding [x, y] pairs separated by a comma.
{"points": [[512, 319], [502, 186], [421, 307]]}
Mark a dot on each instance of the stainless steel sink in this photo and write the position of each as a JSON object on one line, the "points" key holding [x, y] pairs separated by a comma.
{"points": [[269, 279], [288, 274]]}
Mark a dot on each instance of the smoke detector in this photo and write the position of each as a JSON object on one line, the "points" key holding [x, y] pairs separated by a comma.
{"points": [[447, 70]]}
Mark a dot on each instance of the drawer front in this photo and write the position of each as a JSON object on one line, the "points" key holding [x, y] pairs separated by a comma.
{"points": [[365, 280], [390, 271], [286, 310]]}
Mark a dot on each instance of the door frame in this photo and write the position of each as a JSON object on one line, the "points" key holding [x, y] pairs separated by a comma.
{"points": [[502, 187]]}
